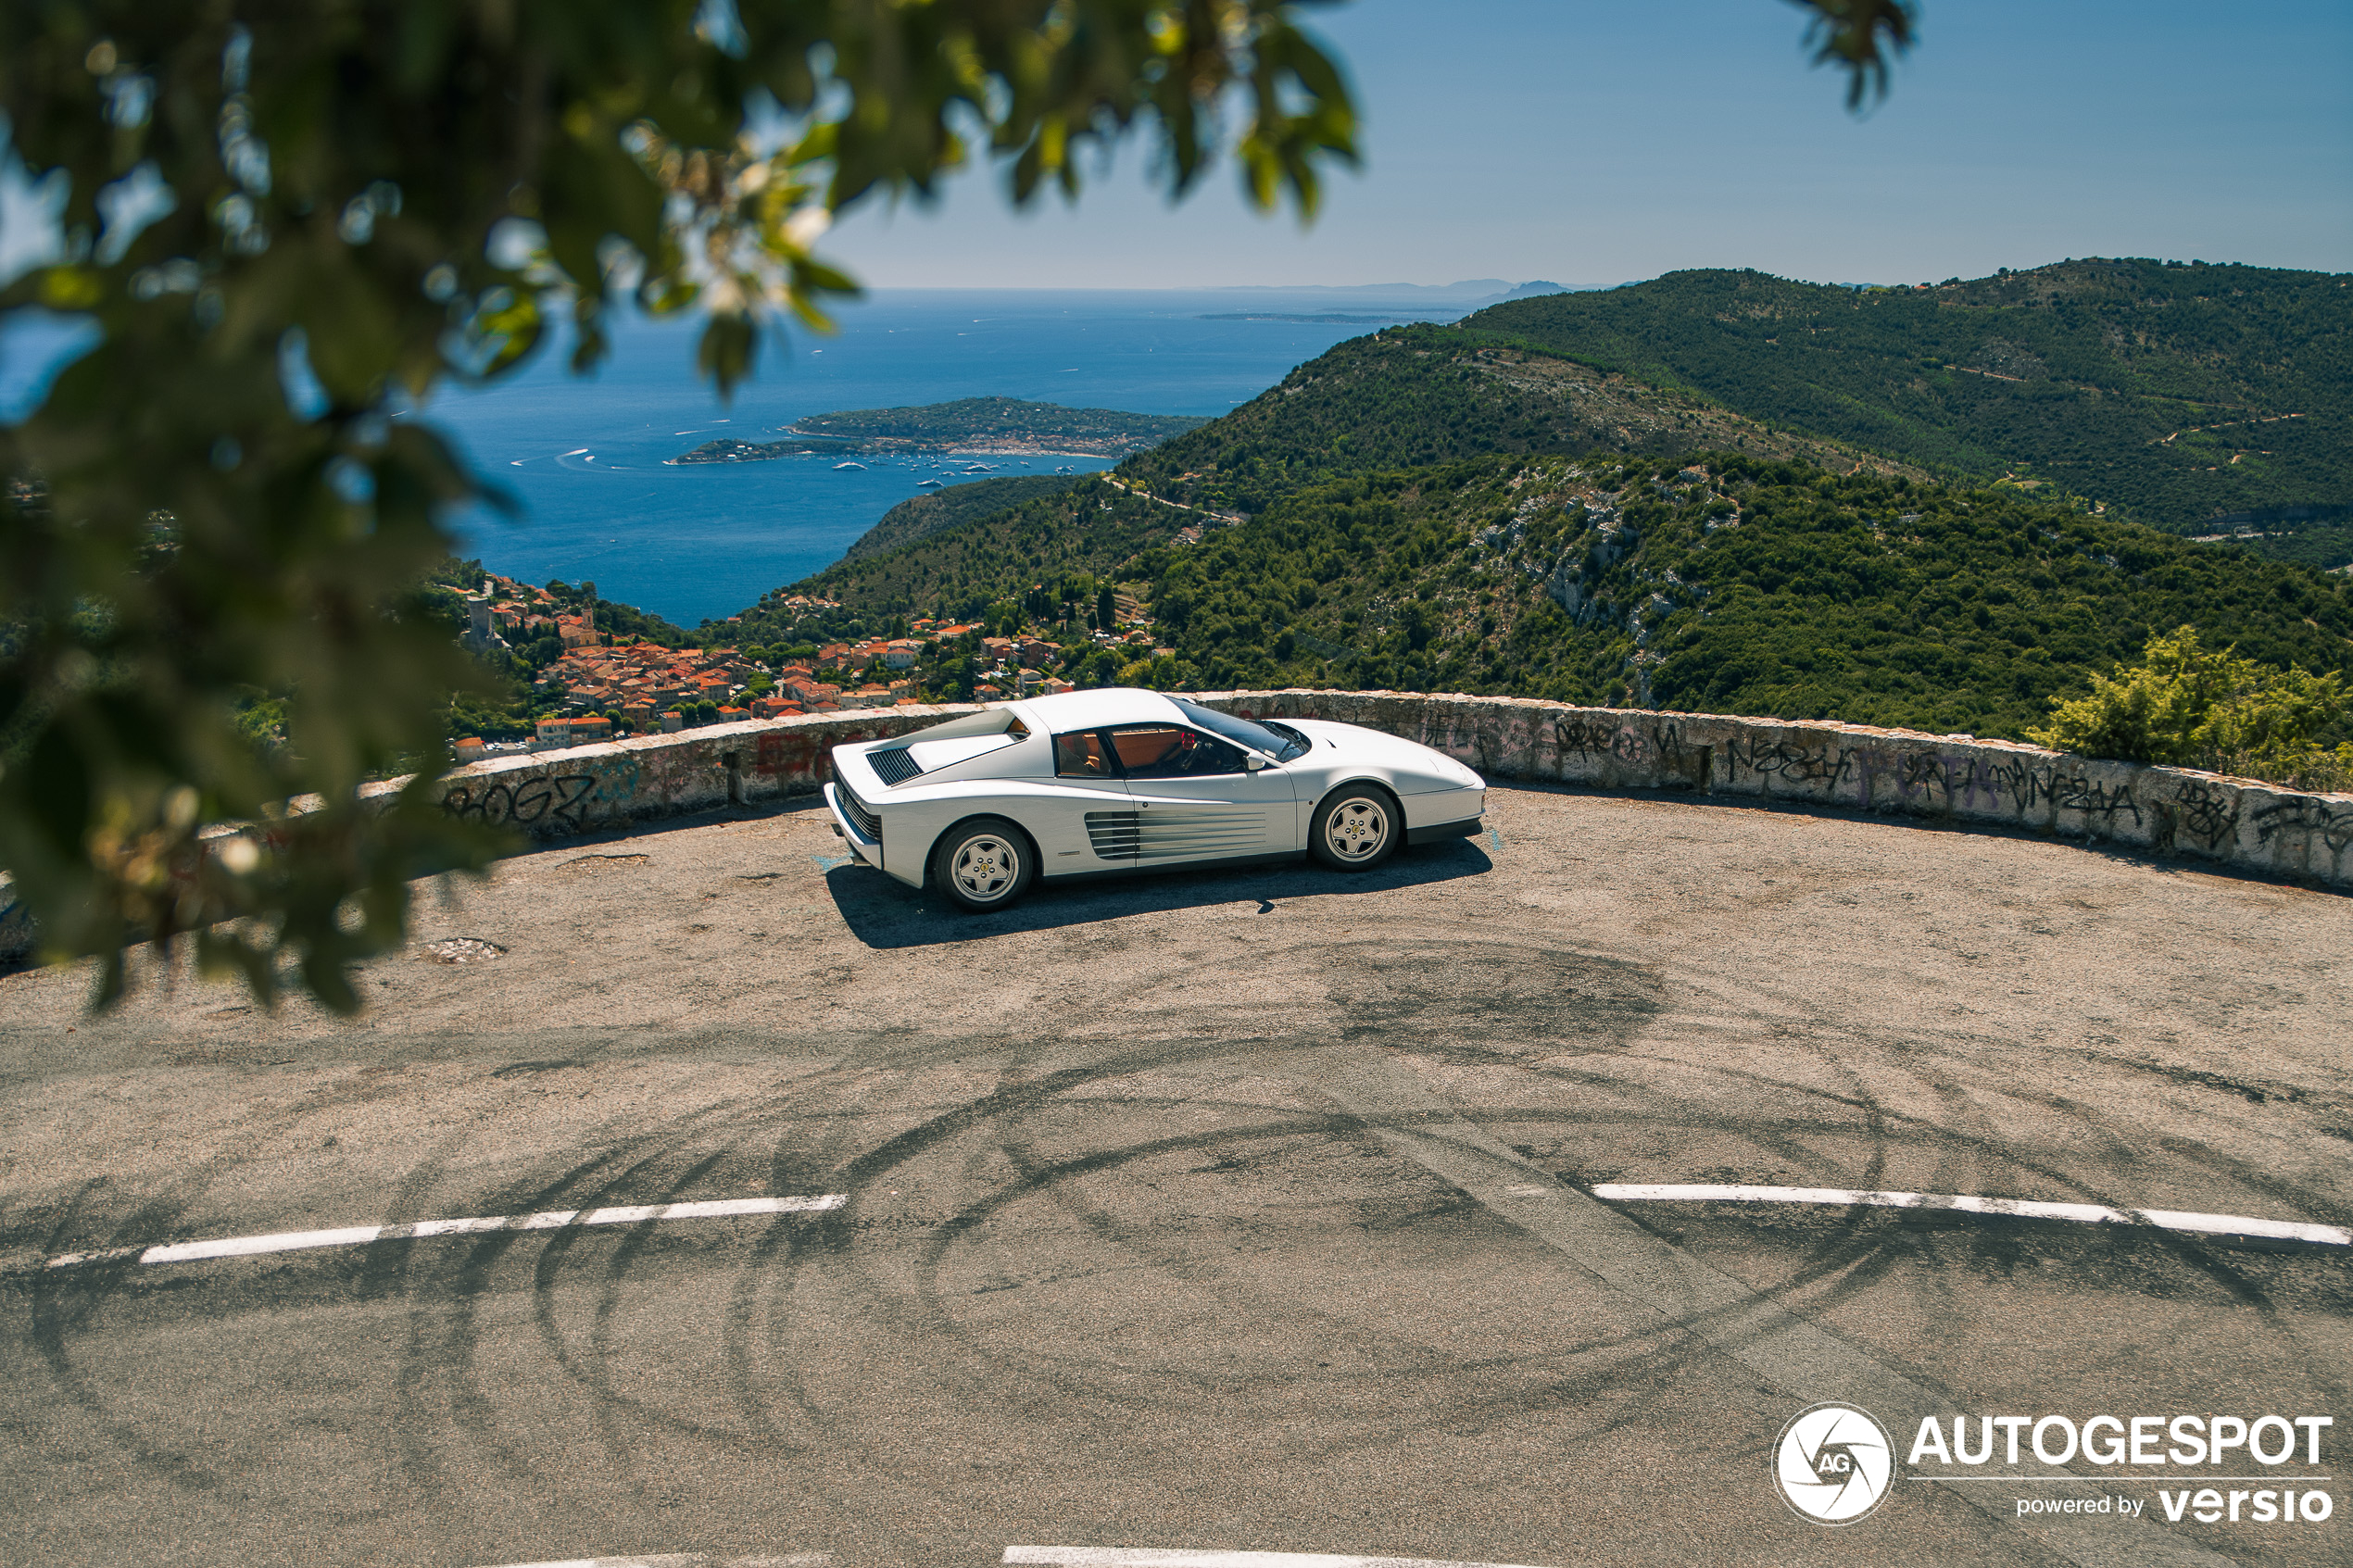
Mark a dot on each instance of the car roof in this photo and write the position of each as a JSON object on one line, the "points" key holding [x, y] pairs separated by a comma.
{"points": [[1065, 712]]}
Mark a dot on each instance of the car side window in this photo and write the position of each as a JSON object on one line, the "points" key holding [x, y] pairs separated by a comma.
{"points": [[1080, 754], [1172, 751]]}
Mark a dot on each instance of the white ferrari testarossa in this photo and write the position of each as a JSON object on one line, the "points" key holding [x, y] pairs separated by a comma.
{"points": [[1105, 781]]}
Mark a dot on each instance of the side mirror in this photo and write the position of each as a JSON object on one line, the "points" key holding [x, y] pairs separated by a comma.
{"points": [[1254, 762]]}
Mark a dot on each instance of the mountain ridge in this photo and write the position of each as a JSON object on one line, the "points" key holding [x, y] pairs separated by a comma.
{"points": [[2170, 393], [1563, 497]]}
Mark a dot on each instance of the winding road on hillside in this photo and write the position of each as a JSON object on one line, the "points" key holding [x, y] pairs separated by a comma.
{"points": [[1262, 1211]]}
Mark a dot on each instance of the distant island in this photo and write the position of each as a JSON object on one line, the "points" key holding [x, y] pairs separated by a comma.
{"points": [[969, 424]]}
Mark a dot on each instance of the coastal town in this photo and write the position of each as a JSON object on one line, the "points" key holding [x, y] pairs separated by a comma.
{"points": [[602, 685]]}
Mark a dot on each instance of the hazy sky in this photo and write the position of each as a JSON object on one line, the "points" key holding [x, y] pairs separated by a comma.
{"points": [[1591, 143], [1598, 140]]}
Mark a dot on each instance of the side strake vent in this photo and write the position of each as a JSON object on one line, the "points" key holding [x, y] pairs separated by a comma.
{"points": [[1115, 834], [893, 767], [1177, 832]]}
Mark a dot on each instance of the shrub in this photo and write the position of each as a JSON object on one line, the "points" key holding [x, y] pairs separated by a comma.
{"points": [[2195, 706]]}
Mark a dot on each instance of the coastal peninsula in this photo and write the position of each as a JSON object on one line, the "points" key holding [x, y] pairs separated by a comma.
{"points": [[969, 424]]}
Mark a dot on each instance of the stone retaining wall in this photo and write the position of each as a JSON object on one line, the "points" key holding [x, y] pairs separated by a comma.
{"points": [[602, 787], [2164, 810], [2234, 823], [2222, 822]]}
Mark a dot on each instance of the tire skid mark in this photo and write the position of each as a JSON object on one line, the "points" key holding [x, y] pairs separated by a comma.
{"points": [[1086, 1371], [595, 1356], [2075, 1112], [1867, 1074], [91, 1291], [60, 1307], [1020, 1098], [1081, 1377], [444, 1338], [587, 1365], [1832, 1257]]}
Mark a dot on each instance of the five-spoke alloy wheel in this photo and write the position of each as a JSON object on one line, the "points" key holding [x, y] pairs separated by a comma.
{"points": [[984, 864], [1356, 828]]}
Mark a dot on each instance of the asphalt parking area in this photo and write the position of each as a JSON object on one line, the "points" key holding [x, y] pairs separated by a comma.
{"points": [[1211, 1212]]}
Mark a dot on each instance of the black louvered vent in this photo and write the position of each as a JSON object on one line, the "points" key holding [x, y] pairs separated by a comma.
{"points": [[860, 812], [1115, 834], [895, 766]]}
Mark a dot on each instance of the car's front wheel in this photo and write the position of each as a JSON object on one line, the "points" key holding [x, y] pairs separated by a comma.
{"points": [[1356, 828], [984, 864]]}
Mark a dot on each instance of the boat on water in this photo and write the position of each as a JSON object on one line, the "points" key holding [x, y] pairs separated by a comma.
{"points": [[929, 481], [838, 466]]}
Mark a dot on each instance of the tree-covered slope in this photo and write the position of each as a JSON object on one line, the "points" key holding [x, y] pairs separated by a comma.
{"points": [[920, 517], [1424, 394], [1760, 587], [2170, 393], [1764, 589], [1088, 529], [1504, 506]]}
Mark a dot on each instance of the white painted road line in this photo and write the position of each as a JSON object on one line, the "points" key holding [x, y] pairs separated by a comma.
{"points": [[2019, 1207], [1164, 1557], [361, 1236], [687, 1560]]}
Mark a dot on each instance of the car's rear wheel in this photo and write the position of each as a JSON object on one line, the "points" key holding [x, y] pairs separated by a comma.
{"points": [[1356, 828], [984, 864]]}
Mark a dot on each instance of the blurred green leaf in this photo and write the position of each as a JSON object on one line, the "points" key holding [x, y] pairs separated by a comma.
{"points": [[386, 194], [1863, 37]]}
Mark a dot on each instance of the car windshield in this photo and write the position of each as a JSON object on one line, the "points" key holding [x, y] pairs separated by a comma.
{"points": [[1278, 741]]}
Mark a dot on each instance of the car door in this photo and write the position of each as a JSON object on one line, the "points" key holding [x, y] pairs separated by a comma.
{"points": [[1084, 822], [1197, 798]]}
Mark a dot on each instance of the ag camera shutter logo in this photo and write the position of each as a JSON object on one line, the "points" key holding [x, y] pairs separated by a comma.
{"points": [[1832, 1463]]}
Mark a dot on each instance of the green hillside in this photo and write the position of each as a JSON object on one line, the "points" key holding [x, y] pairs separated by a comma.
{"points": [[2168, 393], [1687, 494], [920, 517], [1760, 587], [1423, 394], [1090, 529]]}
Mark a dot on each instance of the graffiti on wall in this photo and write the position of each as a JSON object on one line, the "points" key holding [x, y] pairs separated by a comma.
{"points": [[556, 801], [1929, 779], [1799, 766], [1634, 745], [2206, 814], [2076, 792], [2325, 826]]}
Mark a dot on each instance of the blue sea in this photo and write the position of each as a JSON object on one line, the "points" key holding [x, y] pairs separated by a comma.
{"points": [[584, 456]]}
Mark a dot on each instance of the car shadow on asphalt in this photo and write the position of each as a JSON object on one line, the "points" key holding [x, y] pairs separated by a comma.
{"points": [[884, 913]]}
